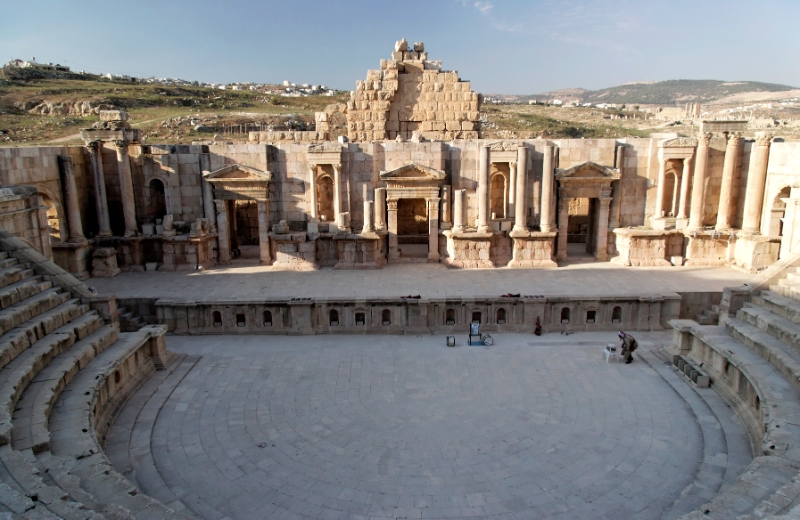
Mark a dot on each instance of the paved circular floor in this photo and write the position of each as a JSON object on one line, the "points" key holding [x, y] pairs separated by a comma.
{"points": [[394, 427]]}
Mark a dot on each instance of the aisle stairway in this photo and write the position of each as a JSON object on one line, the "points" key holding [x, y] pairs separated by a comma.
{"points": [[754, 360], [65, 370]]}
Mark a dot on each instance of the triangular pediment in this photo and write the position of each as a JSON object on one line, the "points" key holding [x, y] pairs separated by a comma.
{"points": [[413, 172], [238, 172], [587, 170]]}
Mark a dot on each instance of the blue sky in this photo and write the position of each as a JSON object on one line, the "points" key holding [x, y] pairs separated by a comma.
{"points": [[502, 46]]}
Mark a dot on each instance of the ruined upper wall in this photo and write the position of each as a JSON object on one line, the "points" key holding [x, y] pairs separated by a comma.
{"points": [[412, 95]]}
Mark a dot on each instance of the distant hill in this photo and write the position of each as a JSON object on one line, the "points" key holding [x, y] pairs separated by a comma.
{"points": [[673, 92]]}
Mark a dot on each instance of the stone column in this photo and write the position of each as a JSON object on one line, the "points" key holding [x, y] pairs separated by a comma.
{"points": [[209, 211], [446, 221], [547, 212], [380, 209], [223, 237], [512, 186], [601, 245], [662, 175], [756, 181], [684, 201], [368, 216], [394, 254], [101, 199], [675, 186], [483, 190], [458, 211], [520, 224], [726, 188], [263, 232], [699, 183], [563, 221], [433, 229], [312, 191], [71, 203], [126, 188], [337, 191]]}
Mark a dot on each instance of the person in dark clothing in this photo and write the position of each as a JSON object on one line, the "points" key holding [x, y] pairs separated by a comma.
{"points": [[628, 346]]}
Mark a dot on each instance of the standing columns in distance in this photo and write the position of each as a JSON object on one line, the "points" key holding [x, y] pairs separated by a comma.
{"points": [[756, 182], [662, 175], [699, 183], [433, 229], [520, 224], [312, 191], [70, 189], [101, 199], [483, 190], [547, 211], [726, 201], [126, 188], [263, 232], [458, 210], [209, 211], [684, 200]]}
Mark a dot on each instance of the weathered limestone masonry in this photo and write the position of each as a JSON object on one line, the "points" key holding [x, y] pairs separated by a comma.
{"points": [[410, 316], [413, 183]]}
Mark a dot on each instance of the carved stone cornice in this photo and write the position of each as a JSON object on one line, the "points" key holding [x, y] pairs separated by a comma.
{"points": [[503, 146], [679, 142], [324, 148]]}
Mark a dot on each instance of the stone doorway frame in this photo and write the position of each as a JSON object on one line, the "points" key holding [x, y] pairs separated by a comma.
{"points": [[585, 180], [414, 181], [317, 156], [249, 184]]}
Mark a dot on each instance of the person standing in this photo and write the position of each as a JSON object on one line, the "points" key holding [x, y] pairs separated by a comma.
{"points": [[628, 346]]}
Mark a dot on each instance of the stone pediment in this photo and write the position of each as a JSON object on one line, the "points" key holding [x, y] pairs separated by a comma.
{"points": [[238, 173], [588, 170], [413, 173], [679, 142]]}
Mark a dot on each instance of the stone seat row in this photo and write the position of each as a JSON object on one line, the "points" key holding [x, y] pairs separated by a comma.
{"points": [[65, 371], [691, 371], [753, 360]]}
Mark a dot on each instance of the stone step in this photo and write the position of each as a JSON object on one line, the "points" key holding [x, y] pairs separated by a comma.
{"points": [[73, 439], [25, 288], [129, 322], [12, 343], [8, 262], [14, 274], [777, 304], [54, 501], [3, 255], [31, 307], [779, 328], [787, 291], [780, 355], [21, 371], [30, 418], [793, 278]]}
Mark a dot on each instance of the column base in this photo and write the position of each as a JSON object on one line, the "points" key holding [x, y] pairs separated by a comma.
{"points": [[434, 257], [129, 234], [104, 234]]}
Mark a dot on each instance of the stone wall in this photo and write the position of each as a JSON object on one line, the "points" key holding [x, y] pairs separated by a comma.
{"points": [[409, 316]]}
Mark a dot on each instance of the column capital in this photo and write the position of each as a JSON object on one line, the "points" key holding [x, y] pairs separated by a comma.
{"points": [[122, 145], [337, 167], [764, 138], [93, 147], [312, 167], [220, 205], [733, 138], [704, 139], [392, 205], [433, 200]]}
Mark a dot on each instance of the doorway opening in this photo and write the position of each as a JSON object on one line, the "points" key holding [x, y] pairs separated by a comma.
{"points": [[156, 206], [412, 228], [53, 222], [582, 227], [325, 198]]}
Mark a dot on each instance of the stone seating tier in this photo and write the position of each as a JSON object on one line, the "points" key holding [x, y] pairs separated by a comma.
{"points": [[754, 362], [65, 371]]}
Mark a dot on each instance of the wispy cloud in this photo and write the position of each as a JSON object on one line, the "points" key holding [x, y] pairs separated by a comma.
{"points": [[506, 26], [483, 7]]}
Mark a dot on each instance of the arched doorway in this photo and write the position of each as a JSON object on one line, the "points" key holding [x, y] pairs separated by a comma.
{"points": [[156, 200], [498, 195], [777, 212], [325, 198]]}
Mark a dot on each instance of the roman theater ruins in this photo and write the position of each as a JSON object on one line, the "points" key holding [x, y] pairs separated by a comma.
{"points": [[236, 330]]}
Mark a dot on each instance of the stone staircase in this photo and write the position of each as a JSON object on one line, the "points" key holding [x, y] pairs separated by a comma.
{"points": [[708, 316], [754, 360], [66, 369], [128, 321]]}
